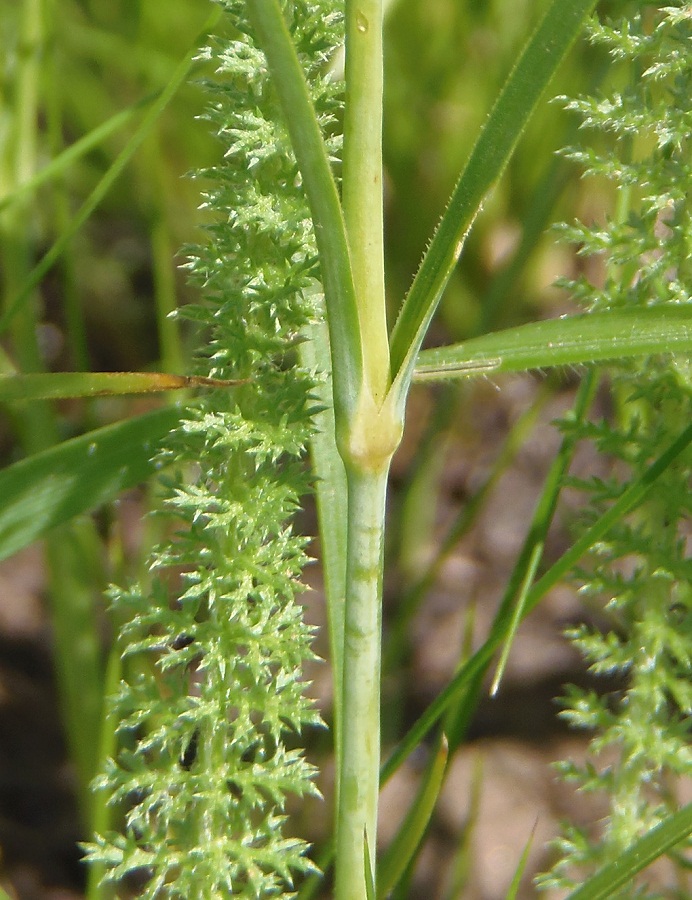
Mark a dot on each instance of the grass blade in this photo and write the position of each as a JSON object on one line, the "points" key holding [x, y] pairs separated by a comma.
{"points": [[513, 889], [322, 196], [77, 475], [179, 76], [462, 860], [60, 385], [529, 78], [404, 846], [558, 342], [75, 151], [642, 853], [527, 581]]}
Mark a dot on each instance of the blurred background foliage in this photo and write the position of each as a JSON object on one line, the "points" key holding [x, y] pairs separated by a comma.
{"points": [[69, 66]]}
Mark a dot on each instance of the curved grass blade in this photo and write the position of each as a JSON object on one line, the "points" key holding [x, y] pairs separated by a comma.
{"points": [[60, 385], [649, 847], [627, 501], [463, 859], [322, 196], [540, 59], [404, 846], [77, 475], [72, 153], [179, 76], [517, 615], [513, 889], [573, 340]]}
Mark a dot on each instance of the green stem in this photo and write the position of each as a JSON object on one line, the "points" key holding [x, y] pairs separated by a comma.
{"points": [[367, 442], [360, 748], [27, 90], [362, 184]]}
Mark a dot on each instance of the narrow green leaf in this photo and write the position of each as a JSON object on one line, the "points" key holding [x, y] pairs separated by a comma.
{"points": [[541, 57], [78, 475], [59, 385], [80, 148], [402, 849], [535, 558], [654, 843], [535, 221], [462, 861], [513, 889], [567, 341], [536, 216], [179, 76], [322, 196]]}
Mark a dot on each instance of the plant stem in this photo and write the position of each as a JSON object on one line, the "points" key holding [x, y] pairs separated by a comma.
{"points": [[362, 184], [367, 443], [360, 750]]}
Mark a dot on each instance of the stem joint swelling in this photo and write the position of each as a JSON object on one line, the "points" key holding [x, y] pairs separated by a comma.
{"points": [[368, 439]]}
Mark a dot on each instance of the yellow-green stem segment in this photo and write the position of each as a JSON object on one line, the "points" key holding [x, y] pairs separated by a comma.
{"points": [[371, 440], [367, 438], [360, 745], [362, 185]]}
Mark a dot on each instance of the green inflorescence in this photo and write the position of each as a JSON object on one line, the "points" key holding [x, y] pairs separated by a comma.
{"points": [[215, 644], [640, 753]]}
